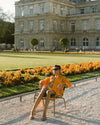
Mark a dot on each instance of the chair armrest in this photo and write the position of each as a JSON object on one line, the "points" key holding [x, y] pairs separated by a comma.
{"points": [[65, 86]]}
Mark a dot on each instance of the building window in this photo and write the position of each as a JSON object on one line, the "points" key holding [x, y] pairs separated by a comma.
{"points": [[85, 42], [73, 27], [81, 11], [54, 25], [55, 43], [31, 10], [98, 42], [41, 9], [21, 27], [42, 42], [22, 11], [42, 25], [73, 42], [54, 9], [85, 25], [68, 11], [98, 24], [21, 44], [62, 9], [31, 26], [62, 27], [94, 10]]}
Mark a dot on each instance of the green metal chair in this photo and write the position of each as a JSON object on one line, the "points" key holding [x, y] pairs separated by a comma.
{"points": [[53, 97]]}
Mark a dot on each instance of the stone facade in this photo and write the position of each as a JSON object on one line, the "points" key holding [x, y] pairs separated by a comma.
{"points": [[50, 20]]}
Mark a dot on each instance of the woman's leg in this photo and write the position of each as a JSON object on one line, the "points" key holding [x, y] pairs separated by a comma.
{"points": [[41, 94], [48, 95]]}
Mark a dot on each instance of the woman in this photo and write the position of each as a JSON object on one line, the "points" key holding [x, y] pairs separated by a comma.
{"points": [[50, 86]]}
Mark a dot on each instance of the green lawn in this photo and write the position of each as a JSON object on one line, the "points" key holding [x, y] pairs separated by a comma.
{"points": [[12, 60]]}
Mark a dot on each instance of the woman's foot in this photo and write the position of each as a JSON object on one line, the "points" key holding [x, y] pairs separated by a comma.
{"points": [[44, 118], [31, 116]]}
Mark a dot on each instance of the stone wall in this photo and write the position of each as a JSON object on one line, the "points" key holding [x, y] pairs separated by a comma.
{"points": [[50, 37]]}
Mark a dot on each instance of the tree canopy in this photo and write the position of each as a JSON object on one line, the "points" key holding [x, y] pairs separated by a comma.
{"points": [[34, 41], [64, 41], [6, 29]]}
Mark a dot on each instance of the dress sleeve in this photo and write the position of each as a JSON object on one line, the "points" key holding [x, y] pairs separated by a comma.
{"points": [[67, 82], [45, 82]]}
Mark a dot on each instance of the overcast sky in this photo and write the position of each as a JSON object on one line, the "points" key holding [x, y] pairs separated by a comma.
{"points": [[8, 6]]}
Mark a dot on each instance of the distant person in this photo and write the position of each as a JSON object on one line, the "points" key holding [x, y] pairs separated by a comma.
{"points": [[35, 48], [80, 49], [66, 50], [83, 49], [77, 49]]}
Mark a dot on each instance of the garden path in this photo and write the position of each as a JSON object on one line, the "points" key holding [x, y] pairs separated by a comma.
{"points": [[83, 108]]}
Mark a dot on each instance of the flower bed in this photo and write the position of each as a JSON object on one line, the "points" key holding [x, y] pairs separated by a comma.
{"points": [[24, 76], [11, 78], [69, 69]]}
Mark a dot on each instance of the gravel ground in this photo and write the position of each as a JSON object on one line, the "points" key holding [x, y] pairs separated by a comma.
{"points": [[83, 108]]}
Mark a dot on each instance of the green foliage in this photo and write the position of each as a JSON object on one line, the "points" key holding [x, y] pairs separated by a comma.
{"points": [[34, 42], [6, 29], [63, 41]]}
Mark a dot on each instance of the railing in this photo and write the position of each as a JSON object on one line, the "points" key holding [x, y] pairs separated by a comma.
{"points": [[85, 13]]}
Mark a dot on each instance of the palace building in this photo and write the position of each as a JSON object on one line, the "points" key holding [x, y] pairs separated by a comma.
{"points": [[50, 20]]}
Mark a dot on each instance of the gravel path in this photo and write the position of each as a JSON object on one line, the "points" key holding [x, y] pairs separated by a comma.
{"points": [[83, 108]]}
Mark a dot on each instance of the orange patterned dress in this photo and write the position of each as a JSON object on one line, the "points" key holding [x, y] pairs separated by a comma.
{"points": [[56, 81]]}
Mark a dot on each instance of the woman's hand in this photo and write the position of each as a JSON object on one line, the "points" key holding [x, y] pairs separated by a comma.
{"points": [[40, 85], [60, 85]]}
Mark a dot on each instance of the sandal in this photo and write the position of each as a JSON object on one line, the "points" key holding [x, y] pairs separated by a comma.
{"points": [[43, 118], [31, 117]]}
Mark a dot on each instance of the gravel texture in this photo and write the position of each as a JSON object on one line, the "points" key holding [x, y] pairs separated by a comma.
{"points": [[83, 108]]}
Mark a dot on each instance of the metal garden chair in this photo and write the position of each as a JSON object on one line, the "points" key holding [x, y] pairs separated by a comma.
{"points": [[53, 97]]}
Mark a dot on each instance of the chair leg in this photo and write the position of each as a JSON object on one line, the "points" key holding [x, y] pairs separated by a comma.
{"points": [[43, 102], [64, 102], [34, 98], [54, 107]]}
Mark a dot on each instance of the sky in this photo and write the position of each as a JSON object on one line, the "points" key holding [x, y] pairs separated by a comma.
{"points": [[8, 6]]}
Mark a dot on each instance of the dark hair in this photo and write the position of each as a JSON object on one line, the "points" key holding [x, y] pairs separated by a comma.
{"points": [[57, 67]]}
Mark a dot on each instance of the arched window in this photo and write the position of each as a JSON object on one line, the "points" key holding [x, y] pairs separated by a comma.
{"points": [[42, 42], [85, 42], [98, 43]]}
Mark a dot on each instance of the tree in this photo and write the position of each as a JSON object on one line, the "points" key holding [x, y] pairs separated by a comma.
{"points": [[64, 42], [6, 28], [9, 33], [34, 42]]}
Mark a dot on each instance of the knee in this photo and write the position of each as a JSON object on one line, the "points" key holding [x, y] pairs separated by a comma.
{"points": [[44, 89], [48, 92]]}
